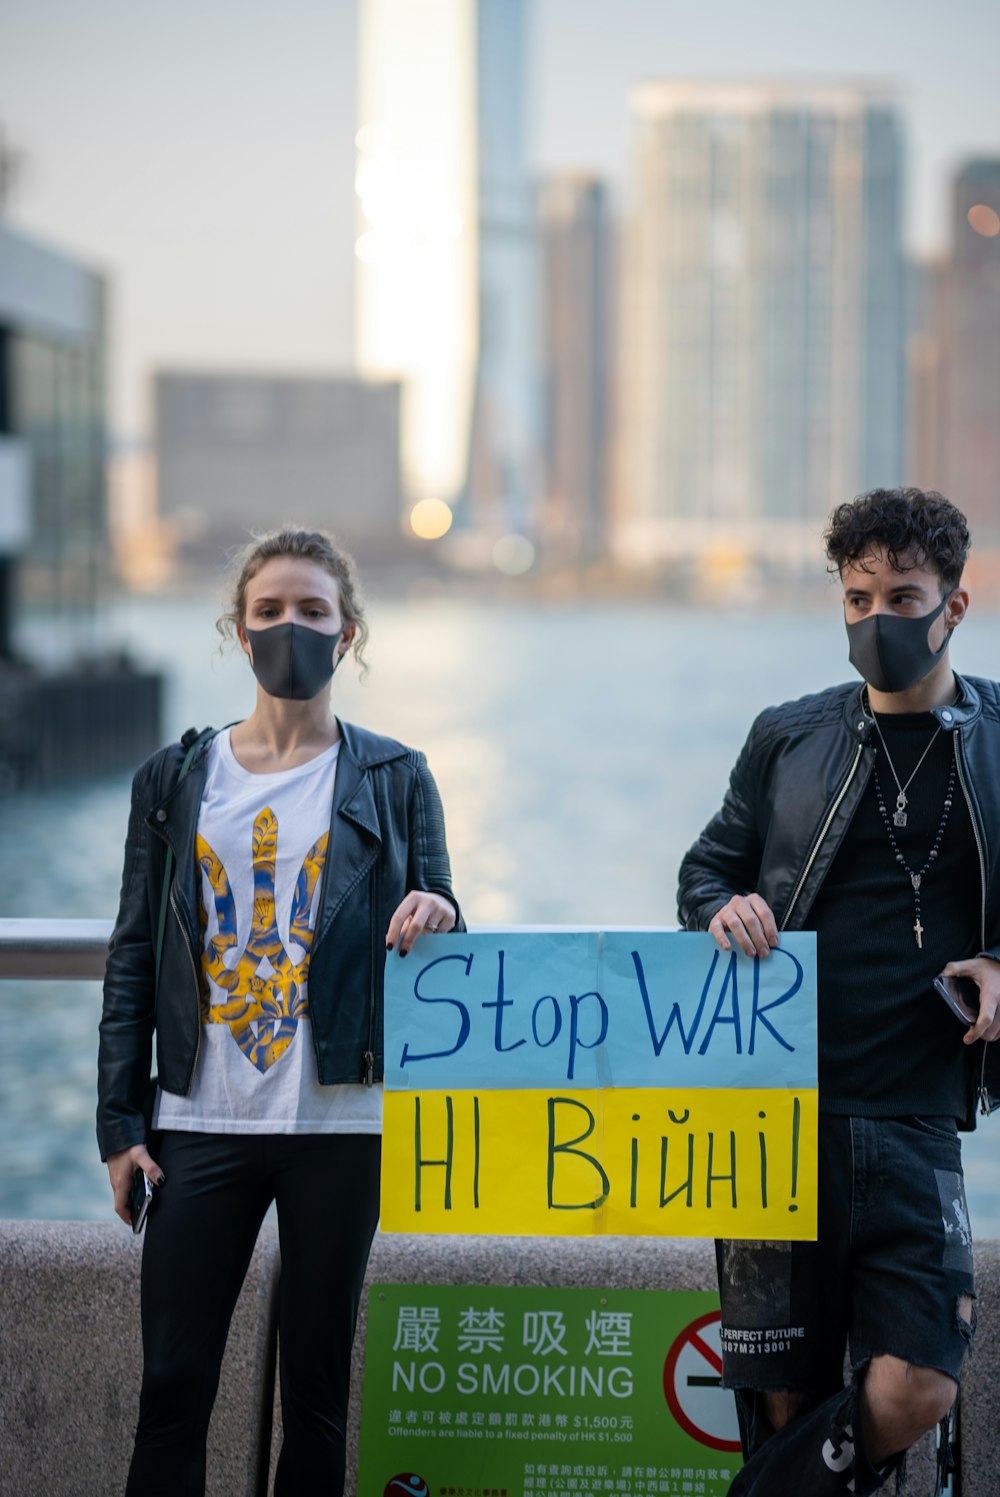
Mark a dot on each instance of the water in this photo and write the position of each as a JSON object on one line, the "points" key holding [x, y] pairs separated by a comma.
{"points": [[579, 749]]}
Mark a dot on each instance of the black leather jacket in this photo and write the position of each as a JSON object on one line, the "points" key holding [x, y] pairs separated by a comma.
{"points": [[791, 797], [387, 837]]}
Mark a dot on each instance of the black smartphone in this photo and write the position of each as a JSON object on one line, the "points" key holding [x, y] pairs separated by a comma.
{"points": [[961, 996], [140, 1198]]}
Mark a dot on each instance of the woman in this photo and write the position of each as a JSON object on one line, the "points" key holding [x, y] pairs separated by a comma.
{"points": [[304, 848]]}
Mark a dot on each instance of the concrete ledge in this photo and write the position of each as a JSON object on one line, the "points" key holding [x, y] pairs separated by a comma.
{"points": [[70, 1353], [71, 1360]]}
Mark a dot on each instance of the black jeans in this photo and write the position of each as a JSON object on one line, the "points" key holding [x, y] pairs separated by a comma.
{"points": [[200, 1236]]}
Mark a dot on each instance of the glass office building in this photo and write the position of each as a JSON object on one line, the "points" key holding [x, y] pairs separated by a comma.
{"points": [[68, 707], [53, 501], [762, 350], [972, 349]]}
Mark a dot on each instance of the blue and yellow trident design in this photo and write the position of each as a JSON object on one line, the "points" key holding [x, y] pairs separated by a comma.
{"points": [[268, 989]]}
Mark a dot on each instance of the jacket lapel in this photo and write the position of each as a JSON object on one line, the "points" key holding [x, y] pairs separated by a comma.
{"points": [[355, 836], [175, 820]]}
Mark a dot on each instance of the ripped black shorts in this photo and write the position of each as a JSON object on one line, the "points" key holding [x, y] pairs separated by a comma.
{"points": [[891, 1265]]}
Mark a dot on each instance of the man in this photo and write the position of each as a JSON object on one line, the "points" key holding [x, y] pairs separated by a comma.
{"points": [[870, 814]]}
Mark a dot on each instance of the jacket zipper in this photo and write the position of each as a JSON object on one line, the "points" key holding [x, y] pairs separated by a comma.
{"points": [[983, 1100], [197, 992], [376, 902], [822, 836]]}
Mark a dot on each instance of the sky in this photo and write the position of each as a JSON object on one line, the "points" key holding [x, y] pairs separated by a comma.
{"points": [[202, 153]]}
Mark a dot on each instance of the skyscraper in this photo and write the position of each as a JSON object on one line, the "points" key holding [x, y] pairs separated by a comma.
{"points": [[761, 360], [972, 349], [53, 438], [505, 465], [576, 357], [446, 244], [927, 296], [70, 707]]}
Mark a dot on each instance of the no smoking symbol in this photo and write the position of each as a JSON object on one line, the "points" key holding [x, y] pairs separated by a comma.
{"points": [[692, 1384]]}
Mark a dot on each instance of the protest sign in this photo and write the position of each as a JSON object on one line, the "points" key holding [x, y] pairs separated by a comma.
{"points": [[585, 1082]]}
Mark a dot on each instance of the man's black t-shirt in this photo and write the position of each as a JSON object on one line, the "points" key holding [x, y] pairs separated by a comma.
{"points": [[888, 1045]]}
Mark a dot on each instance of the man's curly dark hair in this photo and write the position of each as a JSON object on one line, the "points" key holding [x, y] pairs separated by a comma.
{"points": [[912, 528]]}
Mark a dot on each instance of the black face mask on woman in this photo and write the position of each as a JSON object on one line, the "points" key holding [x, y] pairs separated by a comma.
{"points": [[892, 652], [292, 660]]}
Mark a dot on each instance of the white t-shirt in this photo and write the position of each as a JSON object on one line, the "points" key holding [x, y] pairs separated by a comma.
{"points": [[261, 848]]}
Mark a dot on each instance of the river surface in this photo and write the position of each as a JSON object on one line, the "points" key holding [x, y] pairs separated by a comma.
{"points": [[579, 749]]}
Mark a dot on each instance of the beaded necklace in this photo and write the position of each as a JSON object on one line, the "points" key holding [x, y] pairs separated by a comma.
{"points": [[916, 879]]}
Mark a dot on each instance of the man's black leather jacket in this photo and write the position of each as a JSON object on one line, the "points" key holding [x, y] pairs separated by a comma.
{"points": [[387, 837], [791, 797]]}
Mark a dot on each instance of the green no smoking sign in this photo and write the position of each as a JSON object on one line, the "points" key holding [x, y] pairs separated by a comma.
{"points": [[501, 1392]]}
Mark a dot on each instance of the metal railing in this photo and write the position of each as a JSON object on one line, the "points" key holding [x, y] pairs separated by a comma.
{"points": [[62, 949], [78, 949]]}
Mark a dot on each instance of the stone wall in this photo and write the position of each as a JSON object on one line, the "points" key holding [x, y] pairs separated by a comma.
{"points": [[70, 1348]]}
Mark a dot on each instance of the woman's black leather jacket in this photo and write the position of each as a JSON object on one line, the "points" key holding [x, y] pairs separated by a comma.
{"points": [[387, 837], [791, 797]]}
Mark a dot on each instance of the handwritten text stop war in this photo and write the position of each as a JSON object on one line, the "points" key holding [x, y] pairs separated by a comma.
{"points": [[600, 1010]]}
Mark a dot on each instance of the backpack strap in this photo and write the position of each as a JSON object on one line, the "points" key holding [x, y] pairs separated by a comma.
{"points": [[192, 742]]}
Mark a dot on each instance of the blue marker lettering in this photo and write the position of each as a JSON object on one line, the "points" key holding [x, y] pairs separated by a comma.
{"points": [[760, 1009], [687, 1039], [464, 1023], [729, 985], [500, 1004], [575, 1042]]}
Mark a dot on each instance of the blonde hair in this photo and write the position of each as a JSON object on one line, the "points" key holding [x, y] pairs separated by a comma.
{"points": [[310, 545]]}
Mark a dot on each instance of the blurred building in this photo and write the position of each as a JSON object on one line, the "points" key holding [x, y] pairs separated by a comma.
{"points": [[53, 526], [576, 282], [761, 361], [927, 298], [505, 470], [953, 360], [69, 707], [971, 439], [447, 247], [239, 452]]}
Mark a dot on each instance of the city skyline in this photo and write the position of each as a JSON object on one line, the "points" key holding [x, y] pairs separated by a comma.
{"points": [[184, 158]]}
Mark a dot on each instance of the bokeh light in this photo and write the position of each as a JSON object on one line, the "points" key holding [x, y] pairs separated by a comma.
{"points": [[514, 555], [984, 220], [430, 519]]}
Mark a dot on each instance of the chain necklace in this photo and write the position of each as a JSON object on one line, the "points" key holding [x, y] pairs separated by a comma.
{"points": [[916, 879], [899, 815]]}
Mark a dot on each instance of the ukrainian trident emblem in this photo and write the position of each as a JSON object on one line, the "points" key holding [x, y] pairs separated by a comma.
{"points": [[266, 986]]}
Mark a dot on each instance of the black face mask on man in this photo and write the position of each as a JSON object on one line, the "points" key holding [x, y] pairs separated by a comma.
{"points": [[293, 661], [891, 652]]}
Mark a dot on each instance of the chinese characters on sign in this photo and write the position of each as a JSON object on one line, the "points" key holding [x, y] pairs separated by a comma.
{"points": [[531, 1392]]}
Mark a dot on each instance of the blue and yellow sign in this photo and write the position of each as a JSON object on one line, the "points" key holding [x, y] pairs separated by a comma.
{"points": [[580, 1083]]}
